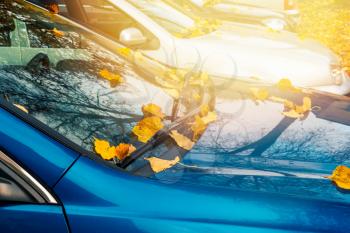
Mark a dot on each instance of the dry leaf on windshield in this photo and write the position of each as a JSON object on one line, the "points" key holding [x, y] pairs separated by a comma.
{"points": [[298, 111], [286, 85], [147, 128], [57, 32], [123, 150], [293, 114], [341, 177], [196, 96], [307, 104], [209, 118], [289, 104], [181, 140], [204, 110], [277, 99], [104, 149], [53, 8], [261, 94], [114, 79], [198, 127], [125, 52], [152, 110], [21, 108], [159, 165]]}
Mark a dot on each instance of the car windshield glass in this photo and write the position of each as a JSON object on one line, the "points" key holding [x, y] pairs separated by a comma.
{"points": [[170, 17], [57, 74]]}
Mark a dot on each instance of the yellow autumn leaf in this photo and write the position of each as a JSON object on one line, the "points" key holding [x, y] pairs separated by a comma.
{"points": [[293, 114], [204, 110], [123, 150], [298, 111], [125, 52], [57, 32], [196, 96], [341, 177], [198, 127], [209, 118], [159, 165], [272, 30], [181, 140], [277, 99], [53, 8], [104, 149], [147, 128], [289, 104], [202, 26], [152, 110], [21, 108], [260, 93], [143, 133], [307, 104], [286, 85], [202, 120], [114, 79]]}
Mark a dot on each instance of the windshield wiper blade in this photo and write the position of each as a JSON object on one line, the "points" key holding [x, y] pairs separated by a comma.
{"points": [[157, 139], [163, 134], [187, 77]]}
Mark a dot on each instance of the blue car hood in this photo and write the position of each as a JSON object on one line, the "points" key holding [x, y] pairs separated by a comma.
{"points": [[253, 147]]}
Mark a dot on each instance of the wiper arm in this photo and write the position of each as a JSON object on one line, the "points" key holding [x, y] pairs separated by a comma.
{"points": [[157, 139], [179, 101], [163, 134]]}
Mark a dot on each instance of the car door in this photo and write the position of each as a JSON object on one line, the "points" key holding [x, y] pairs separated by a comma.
{"points": [[25, 204]]}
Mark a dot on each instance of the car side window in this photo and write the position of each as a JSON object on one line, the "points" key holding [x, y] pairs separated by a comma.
{"points": [[11, 189], [105, 17]]}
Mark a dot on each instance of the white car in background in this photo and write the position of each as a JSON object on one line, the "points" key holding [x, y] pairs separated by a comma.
{"points": [[166, 34], [229, 10]]}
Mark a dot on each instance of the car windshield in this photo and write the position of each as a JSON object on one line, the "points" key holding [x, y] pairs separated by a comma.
{"points": [[57, 74], [170, 17]]}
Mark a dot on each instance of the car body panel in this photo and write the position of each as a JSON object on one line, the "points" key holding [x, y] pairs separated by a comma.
{"points": [[18, 218], [44, 157], [113, 200]]}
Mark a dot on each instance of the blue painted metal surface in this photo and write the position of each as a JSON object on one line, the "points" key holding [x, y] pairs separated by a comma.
{"points": [[42, 155], [98, 198], [32, 218]]}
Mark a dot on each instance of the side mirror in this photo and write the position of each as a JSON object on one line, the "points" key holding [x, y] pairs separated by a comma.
{"points": [[132, 36]]}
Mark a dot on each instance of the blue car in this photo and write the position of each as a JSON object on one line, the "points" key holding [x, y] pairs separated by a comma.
{"points": [[252, 170]]}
